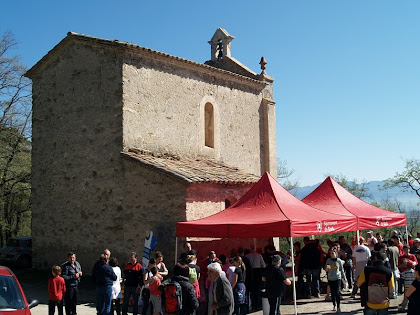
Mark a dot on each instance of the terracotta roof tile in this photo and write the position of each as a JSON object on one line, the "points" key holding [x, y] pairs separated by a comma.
{"points": [[191, 170]]}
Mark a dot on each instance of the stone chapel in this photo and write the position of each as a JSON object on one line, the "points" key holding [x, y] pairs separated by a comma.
{"points": [[127, 139]]}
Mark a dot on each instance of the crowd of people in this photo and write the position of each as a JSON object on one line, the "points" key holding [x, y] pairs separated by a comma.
{"points": [[366, 264], [380, 269], [238, 284]]}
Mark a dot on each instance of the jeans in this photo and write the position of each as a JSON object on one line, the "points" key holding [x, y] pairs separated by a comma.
{"points": [[396, 279], [300, 284], [116, 306], [70, 300], [130, 291], [371, 311], [51, 307], [349, 275], [256, 299], [335, 291], [312, 276], [103, 299], [274, 305]]}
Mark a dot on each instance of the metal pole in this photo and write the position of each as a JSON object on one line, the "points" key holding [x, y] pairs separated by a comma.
{"points": [[406, 233], [176, 249], [293, 274], [358, 237]]}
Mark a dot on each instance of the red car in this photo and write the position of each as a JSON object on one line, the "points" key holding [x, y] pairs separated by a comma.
{"points": [[12, 298]]}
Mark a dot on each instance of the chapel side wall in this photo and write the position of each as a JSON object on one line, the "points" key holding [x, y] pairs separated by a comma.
{"points": [[158, 197], [205, 199], [164, 111], [76, 165]]}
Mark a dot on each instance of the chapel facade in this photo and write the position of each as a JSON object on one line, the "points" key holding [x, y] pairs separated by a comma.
{"points": [[128, 140]]}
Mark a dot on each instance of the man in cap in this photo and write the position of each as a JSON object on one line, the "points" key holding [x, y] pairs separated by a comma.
{"points": [[371, 241], [273, 279], [361, 255]]}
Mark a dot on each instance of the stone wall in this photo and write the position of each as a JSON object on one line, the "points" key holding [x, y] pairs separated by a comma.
{"points": [[76, 168], [164, 110], [206, 199], [154, 202], [90, 102]]}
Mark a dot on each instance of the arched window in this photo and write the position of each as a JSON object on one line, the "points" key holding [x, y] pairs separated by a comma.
{"points": [[229, 201], [209, 125]]}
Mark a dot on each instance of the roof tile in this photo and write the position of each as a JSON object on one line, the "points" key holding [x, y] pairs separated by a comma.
{"points": [[191, 170]]}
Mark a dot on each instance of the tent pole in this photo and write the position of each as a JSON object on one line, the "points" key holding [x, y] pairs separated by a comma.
{"points": [[406, 233], [293, 274], [358, 237], [176, 249]]}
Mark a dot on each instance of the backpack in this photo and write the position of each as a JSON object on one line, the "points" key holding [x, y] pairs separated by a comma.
{"points": [[173, 297], [377, 288], [192, 276]]}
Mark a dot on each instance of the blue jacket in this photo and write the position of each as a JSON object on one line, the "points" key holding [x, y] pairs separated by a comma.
{"points": [[103, 275]]}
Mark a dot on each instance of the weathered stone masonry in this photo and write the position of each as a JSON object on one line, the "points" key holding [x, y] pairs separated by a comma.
{"points": [[119, 145]]}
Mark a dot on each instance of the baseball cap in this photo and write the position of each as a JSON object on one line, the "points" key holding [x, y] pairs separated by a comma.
{"points": [[370, 232], [276, 258]]}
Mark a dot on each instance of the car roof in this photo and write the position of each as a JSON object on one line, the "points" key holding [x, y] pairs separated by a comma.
{"points": [[4, 271]]}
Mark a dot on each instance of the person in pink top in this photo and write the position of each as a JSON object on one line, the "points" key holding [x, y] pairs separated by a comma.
{"points": [[56, 290]]}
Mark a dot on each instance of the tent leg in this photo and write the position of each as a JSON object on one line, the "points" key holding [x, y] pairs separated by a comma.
{"points": [[293, 274], [406, 233], [358, 237], [176, 249]]}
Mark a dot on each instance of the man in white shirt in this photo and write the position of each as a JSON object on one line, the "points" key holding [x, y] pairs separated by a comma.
{"points": [[361, 255], [371, 240]]}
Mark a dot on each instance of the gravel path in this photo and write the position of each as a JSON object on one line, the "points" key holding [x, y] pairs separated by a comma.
{"points": [[313, 306], [35, 287]]}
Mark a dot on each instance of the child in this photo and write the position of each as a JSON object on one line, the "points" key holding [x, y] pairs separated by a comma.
{"points": [[56, 290], [409, 276], [335, 272], [154, 283], [147, 278]]}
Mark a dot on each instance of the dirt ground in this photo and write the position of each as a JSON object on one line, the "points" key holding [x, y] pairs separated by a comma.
{"points": [[35, 286], [314, 306]]}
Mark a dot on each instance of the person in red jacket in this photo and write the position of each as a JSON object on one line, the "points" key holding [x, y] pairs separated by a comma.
{"points": [[56, 290]]}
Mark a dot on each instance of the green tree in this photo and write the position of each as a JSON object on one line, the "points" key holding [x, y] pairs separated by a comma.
{"points": [[284, 176], [409, 179], [15, 146]]}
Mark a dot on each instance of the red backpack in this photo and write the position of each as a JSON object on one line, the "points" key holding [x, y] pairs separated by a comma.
{"points": [[173, 297]]}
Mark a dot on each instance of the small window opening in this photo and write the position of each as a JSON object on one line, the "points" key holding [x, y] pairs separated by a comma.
{"points": [[209, 125], [229, 201]]}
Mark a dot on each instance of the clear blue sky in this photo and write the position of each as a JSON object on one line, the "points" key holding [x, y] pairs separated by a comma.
{"points": [[347, 73]]}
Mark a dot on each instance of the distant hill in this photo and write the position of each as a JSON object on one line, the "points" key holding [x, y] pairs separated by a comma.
{"points": [[408, 198]]}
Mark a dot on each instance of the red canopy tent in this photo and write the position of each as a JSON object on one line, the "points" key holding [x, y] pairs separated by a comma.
{"points": [[333, 198], [268, 210]]}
